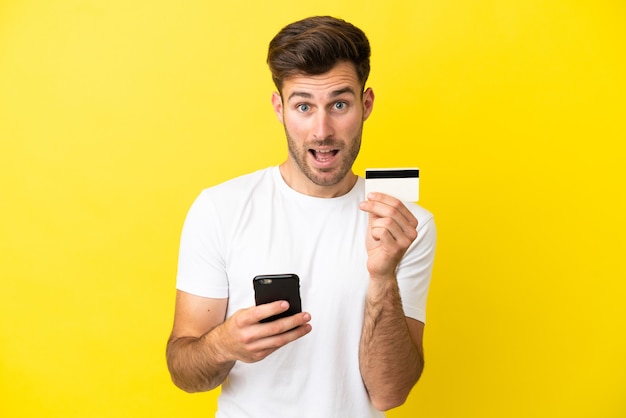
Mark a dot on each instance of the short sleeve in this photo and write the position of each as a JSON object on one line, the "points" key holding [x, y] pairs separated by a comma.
{"points": [[201, 268], [415, 270]]}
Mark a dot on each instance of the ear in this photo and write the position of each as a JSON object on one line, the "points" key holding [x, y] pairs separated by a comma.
{"points": [[277, 104], [368, 103]]}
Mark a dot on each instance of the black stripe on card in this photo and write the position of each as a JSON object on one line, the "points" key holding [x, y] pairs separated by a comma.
{"points": [[391, 174]]}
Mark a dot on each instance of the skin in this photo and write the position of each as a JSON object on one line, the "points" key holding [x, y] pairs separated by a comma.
{"points": [[323, 119]]}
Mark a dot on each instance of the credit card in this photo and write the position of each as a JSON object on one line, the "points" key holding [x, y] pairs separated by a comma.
{"points": [[401, 183]]}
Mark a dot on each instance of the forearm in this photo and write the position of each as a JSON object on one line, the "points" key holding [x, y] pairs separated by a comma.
{"points": [[390, 361], [195, 364]]}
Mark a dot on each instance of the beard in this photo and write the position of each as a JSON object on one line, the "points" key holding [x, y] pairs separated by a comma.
{"points": [[330, 176]]}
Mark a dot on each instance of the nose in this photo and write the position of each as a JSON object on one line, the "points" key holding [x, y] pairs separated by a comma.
{"points": [[323, 126]]}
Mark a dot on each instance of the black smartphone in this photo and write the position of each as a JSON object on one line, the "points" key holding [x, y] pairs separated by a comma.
{"points": [[272, 287]]}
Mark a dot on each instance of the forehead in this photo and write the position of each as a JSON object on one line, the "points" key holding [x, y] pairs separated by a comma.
{"points": [[342, 78]]}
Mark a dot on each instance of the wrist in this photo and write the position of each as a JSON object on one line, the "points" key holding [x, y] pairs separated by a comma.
{"points": [[381, 287], [214, 342], [382, 277]]}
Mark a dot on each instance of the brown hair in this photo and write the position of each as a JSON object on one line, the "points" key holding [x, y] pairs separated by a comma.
{"points": [[314, 45]]}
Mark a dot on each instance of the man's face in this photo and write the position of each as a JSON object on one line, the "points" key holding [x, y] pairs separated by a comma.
{"points": [[323, 117]]}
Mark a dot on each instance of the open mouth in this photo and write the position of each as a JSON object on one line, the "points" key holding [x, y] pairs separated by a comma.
{"points": [[323, 155]]}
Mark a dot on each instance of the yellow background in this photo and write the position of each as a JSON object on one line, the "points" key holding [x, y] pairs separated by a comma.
{"points": [[115, 114]]}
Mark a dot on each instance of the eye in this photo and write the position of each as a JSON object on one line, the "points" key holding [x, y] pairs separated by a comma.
{"points": [[341, 105], [303, 107]]}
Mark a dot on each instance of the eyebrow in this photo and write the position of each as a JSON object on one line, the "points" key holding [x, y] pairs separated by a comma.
{"points": [[334, 93]]}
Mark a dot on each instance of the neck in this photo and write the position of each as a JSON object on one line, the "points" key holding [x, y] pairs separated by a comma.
{"points": [[302, 184]]}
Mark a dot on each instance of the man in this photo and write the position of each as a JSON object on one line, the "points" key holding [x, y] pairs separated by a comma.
{"points": [[364, 262]]}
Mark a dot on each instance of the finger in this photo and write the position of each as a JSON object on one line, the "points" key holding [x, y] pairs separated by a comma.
{"points": [[385, 229], [264, 311], [291, 335], [383, 205], [281, 332], [387, 226], [286, 326], [282, 325]]}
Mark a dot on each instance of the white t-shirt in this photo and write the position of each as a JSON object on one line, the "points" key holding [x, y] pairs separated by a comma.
{"points": [[256, 224]]}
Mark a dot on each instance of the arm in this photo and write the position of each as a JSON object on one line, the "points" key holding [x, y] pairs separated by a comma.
{"points": [[390, 353], [192, 358], [203, 347]]}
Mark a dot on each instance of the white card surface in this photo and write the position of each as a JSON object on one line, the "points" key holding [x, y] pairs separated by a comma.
{"points": [[401, 183]]}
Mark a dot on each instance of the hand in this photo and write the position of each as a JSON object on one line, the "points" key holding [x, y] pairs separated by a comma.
{"points": [[244, 338], [391, 230]]}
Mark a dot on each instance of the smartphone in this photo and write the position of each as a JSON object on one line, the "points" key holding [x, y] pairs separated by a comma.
{"points": [[272, 287]]}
